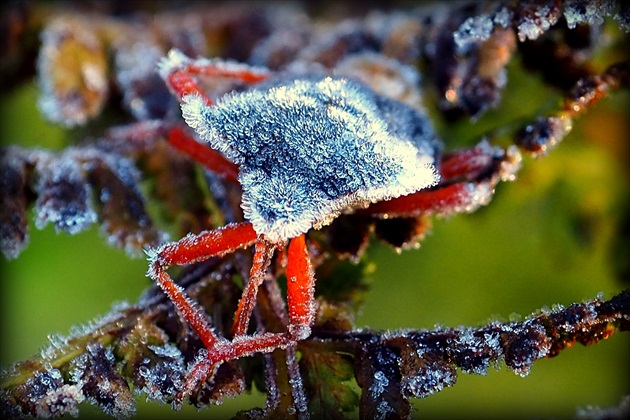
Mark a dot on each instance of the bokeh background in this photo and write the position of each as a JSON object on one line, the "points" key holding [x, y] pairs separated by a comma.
{"points": [[556, 235]]}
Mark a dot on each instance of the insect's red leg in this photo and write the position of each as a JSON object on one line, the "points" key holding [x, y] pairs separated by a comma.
{"points": [[209, 158], [468, 163], [262, 258], [194, 248], [300, 297], [223, 351], [300, 289], [468, 179], [141, 133], [178, 72], [222, 69], [182, 83], [455, 198]]}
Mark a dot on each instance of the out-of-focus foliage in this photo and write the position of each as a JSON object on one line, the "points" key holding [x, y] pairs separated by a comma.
{"points": [[529, 73]]}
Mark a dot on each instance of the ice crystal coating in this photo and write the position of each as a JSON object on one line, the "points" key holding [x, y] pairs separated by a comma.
{"points": [[177, 60], [528, 343], [102, 384], [13, 190], [166, 377], [542, 17], [430, 379], [476, 29], [311, 149], [64, 197], [544, 134], [583, 11], [143, 91]]}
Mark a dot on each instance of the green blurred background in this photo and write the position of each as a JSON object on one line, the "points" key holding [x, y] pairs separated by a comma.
{"points": [[551, 237]]}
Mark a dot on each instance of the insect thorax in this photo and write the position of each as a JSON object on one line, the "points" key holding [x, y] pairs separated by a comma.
{"points": [[309, 150]]}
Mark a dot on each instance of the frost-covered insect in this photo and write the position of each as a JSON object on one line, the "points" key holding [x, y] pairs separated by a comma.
{"points": [[306, 150]]}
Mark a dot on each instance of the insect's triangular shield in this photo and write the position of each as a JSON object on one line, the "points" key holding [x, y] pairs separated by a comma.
{"points": [[309, 150]]}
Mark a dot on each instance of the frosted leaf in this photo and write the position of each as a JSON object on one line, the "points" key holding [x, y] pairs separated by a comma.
{"points": [[474, 352], [544, 134], [162, 380], [72, 70], [62, 401], [124, 220], [176, 60], [379, 384], [574, 319], [102, 383], [43, 395], [384, 410], [537, 19], [378, 373], [623, 17], [167, 351], [65, 188], [431, 378], [144, 92], [311, 149], [529, 344], [474, 29], [63, 195], [587, 11]]}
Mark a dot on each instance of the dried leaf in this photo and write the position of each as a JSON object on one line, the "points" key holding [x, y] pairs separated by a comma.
{"points": [[73, 71], [65, 188], [63, 195]]}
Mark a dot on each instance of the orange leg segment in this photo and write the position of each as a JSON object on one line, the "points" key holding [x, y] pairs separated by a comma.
{"points": [[194, 248], [224, 70], [466, 163], [300, 289], [209, 158], [468, 179], [182, 82], [441, 200], [262, 258]]}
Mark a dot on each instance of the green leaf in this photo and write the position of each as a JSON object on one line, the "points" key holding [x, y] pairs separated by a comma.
{"points": [[328, 377]]}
